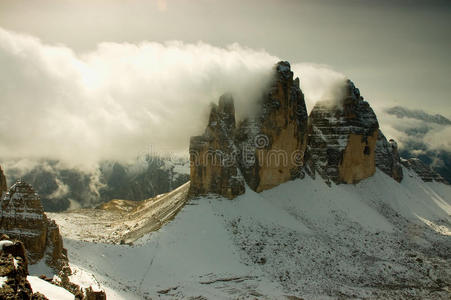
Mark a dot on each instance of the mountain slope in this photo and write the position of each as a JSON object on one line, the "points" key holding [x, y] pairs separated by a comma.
{"points": [[378, 238]]}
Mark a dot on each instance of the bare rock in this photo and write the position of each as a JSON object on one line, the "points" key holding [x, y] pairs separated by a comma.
{"points": [[422, 170], [214, 167], [263, 151], [23, 218], [387, 157], [14, 267], [342, 137], [273, 142]]}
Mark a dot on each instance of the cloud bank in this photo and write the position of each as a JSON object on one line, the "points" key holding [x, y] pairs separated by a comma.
{"points": [[119, 100]]}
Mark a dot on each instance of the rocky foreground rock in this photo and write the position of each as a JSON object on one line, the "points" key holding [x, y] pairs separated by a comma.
{"points": [[23, 218], [340, 141], [14, 271]]}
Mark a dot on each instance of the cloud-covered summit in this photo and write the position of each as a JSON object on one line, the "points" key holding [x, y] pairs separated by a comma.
{"points": [[118, 100]]}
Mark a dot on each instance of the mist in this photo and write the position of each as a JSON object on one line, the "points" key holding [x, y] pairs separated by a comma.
{"points": [[123, 99]]}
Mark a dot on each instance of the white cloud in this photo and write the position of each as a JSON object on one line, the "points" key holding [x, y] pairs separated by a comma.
{"points": [[120, 99]]}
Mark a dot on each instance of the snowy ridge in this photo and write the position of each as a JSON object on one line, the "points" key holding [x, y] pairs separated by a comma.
{"points": [[377, 239], [121, 221]]}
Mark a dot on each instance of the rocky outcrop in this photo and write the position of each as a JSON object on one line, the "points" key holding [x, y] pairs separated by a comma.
{"points": [[214, 166], [342, 137], [3, 186], [23, 218], [263, 151], [387, 157], [422, 170], [14, 271], [273, 142]]}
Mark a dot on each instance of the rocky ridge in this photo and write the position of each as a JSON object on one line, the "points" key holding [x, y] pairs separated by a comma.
{"points": [[422, 170]]}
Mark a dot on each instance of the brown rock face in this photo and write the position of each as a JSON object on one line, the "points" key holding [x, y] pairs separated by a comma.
{"points": [[264, 151], [387, 157], [23, 218], [214, 167], [14, 269], [3, 186], [342, 138], [273, 142]]}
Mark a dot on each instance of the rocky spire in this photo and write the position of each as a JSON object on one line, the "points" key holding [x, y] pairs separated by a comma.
{"points": [[264, 150], [272, 143], [213, 155], [342, 137], [23, 218], [387, 157]]}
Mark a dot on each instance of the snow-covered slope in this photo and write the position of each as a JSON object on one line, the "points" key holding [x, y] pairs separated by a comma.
{"points": [[379, 239]]}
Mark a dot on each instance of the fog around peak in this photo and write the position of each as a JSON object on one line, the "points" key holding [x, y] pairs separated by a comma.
{"points": [[122, 99]]}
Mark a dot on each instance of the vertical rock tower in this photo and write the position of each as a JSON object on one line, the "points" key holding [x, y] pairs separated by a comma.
{"points": [[342, 137], [23, 218], [263, 151], [273, 142], [213, 155]]}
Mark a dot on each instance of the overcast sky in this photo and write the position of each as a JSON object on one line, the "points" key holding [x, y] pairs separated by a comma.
{"points": [[396, 52]]}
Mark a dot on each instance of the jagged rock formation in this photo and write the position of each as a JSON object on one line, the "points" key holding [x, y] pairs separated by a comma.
{"points": [[263, 151], [342, 138], [14, 271], [213, 155], [422, 170], [23, 218], [273, 142], [3, 186], [387, 157]]}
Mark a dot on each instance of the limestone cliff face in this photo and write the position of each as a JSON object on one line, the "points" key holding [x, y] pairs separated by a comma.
{"points": [[263, 151], [422, 170], [273, 142], [342, 138], [23, 218], [3, 186], [213, 156], [387, 157]]}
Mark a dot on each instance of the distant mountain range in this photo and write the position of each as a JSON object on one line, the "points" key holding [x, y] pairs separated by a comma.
{"points": [[414, 144], [62, 188]]}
